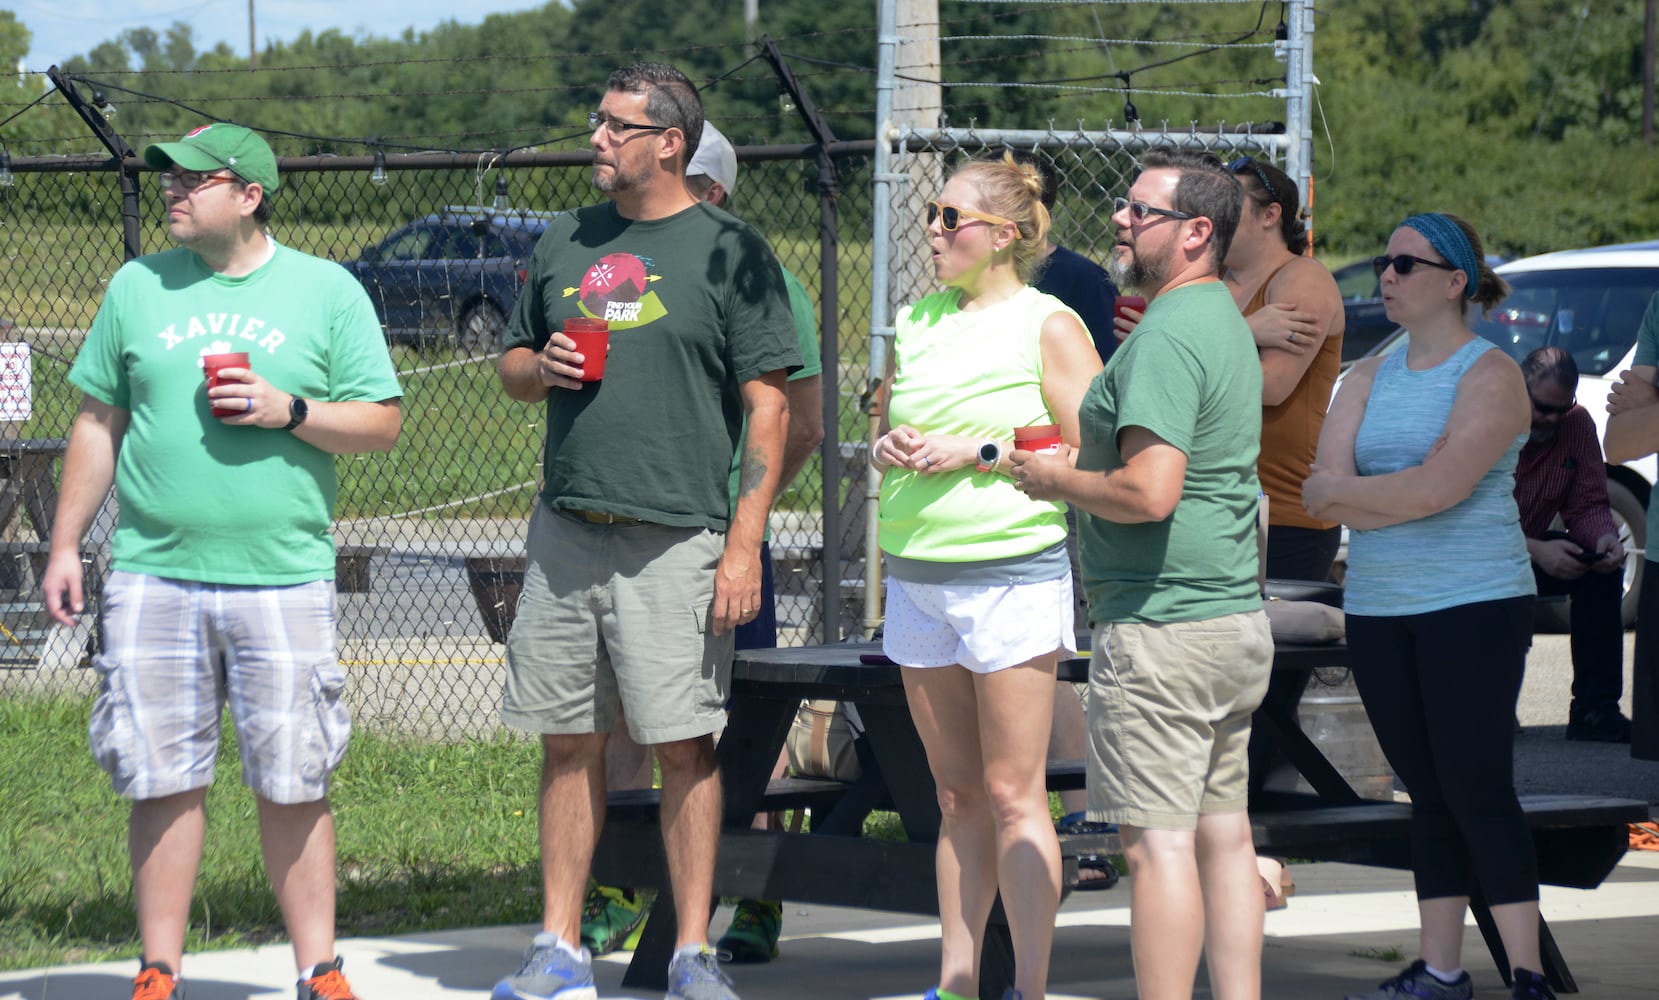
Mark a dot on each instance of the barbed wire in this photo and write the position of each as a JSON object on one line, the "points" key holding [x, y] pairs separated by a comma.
{"points": [[1092, 41]]}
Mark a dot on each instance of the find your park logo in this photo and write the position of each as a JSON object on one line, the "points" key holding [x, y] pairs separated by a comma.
{"points": [[616, 289]]}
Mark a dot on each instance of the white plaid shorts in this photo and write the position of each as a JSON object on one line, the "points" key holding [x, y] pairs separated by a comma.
{"points": [[176, 652]]}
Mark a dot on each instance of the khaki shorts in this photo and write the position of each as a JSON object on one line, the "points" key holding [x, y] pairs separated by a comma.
{"points": [[617, 614], [1169, 718], [176, 652]]}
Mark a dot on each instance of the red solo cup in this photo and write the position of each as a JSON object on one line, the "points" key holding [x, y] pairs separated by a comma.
{"points": [[212, 364], [1043, 439], [1123, 302], [593, 339]]}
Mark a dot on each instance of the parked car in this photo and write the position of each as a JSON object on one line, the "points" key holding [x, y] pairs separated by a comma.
{"points": [[1591, 303], [1366, 324], [451, 277]]}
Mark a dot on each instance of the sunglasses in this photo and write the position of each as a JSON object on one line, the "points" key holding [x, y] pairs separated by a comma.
{"points": [[193, 180], [1244, 163], [951, 216], [617, 127], [1139, 210], [1556, 411], [1405, 263]]}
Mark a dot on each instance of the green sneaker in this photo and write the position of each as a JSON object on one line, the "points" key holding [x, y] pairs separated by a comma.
{"points": [[612, 919], [753, 935]]}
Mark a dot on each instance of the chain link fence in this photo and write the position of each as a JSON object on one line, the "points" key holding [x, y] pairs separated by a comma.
{"points": [[430, 535]]}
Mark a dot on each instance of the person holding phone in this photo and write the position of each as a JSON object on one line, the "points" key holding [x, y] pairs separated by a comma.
{"points": [[979, 594], [1561, 474], [1418, 455]]}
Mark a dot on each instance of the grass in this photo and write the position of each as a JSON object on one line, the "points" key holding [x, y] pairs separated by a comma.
{"points": [[431, 836]]}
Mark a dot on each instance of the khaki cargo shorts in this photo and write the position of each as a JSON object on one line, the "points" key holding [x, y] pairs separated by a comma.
{"points": [[1169, 718]]}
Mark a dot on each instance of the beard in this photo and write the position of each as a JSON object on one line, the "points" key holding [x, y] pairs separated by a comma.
{"points": [[1543, 433], [1136, 272], [618, 180]]}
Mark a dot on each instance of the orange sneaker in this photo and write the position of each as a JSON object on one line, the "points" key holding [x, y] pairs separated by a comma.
{"points": [[156, 982], [327, 982]]}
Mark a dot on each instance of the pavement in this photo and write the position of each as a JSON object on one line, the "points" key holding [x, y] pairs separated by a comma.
{"points": [[1347, 927]]}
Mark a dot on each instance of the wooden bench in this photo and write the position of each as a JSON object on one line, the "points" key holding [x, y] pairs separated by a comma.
{"points": [[1578, 839], [630, 850]]}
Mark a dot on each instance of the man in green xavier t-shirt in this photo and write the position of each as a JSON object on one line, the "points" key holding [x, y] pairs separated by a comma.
{"points": [[223, 558], [1166, 481], [640, 564]]}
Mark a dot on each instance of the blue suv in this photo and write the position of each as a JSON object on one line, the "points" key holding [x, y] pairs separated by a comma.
{"points": [[451, 277]]}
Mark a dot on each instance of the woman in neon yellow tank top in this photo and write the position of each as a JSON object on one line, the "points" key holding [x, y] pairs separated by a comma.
{"points": [[979, 595]]}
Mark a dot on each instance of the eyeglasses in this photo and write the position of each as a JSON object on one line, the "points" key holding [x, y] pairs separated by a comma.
{"points": [[617, 127], [1138, 210], [1405, 263], [1244, 163], [192, 181], [952, 216], [1556, 411]]}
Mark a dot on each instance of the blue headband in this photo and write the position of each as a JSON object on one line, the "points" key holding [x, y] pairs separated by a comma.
{"points": [[1449, 240]]}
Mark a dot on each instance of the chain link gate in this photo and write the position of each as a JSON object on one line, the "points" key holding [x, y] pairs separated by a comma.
{"points": [[429, 535]]}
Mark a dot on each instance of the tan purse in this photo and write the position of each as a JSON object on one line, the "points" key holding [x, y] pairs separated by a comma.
{"points": [[820, 742]]}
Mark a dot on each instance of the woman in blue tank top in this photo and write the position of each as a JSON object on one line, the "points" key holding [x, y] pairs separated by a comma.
{"points": [[1417, 457]]}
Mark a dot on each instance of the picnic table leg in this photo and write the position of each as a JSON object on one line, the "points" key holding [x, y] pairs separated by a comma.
{"points": [[747, 749], [996, 956], [1555, 964], [648, 969]]}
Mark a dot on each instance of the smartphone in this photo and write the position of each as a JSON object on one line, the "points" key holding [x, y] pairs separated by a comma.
{"points": [[1587, 556]]}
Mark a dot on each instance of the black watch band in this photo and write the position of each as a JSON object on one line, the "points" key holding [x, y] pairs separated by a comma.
{"points": [[298, 410]]}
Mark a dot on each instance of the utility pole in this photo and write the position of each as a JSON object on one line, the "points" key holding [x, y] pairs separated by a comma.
{"points": [[1650, 34], [251, 54], [917, 101]]}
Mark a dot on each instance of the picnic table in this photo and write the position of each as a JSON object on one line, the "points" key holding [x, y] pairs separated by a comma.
{"points": [[1580, 839], [28, 484]]}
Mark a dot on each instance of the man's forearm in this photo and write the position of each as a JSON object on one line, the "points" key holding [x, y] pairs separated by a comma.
{"points": [[520, 373], [351, 427], [1632, 434], [88, 472], [806, 426], [759, 477]]}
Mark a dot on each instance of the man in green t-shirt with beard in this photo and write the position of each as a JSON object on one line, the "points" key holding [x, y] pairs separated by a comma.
{"points": [[1166, 483], [640, 563], [223, 582]]}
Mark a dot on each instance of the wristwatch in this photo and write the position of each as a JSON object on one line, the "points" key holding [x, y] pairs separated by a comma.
{"points": [[990, 453], [298, 410]]}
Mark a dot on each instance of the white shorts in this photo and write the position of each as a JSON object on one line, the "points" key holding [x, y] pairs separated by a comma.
{"points": [[984, 627]]}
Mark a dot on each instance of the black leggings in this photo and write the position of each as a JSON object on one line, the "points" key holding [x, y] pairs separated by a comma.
{"points": [[1441, 688]]}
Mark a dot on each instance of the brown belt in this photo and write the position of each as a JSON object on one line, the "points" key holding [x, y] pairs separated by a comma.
{"points": [[595, 517]]}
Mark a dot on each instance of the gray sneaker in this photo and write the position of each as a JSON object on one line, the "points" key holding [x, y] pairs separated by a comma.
{"points": [[698, 977], [1416, 983], [549, 973]]}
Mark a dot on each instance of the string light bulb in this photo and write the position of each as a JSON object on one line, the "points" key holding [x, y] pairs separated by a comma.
{"points": [[6, 178], [377, 176], [502, 201], [786, 103]]}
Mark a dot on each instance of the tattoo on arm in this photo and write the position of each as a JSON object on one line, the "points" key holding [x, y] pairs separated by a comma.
{"points": [[752, 472]]}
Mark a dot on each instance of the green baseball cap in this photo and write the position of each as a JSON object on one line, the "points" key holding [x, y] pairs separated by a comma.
{"points": [[219, 146]]}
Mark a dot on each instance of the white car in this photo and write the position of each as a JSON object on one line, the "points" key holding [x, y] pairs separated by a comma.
{"points": [[1591, 303]]}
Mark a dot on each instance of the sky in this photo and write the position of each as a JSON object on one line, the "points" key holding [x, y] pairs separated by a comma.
{"points": [[65, 28]]}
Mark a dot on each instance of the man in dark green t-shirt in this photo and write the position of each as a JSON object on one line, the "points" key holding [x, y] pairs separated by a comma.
{"points": [[640, 564], [1166, 482]]}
